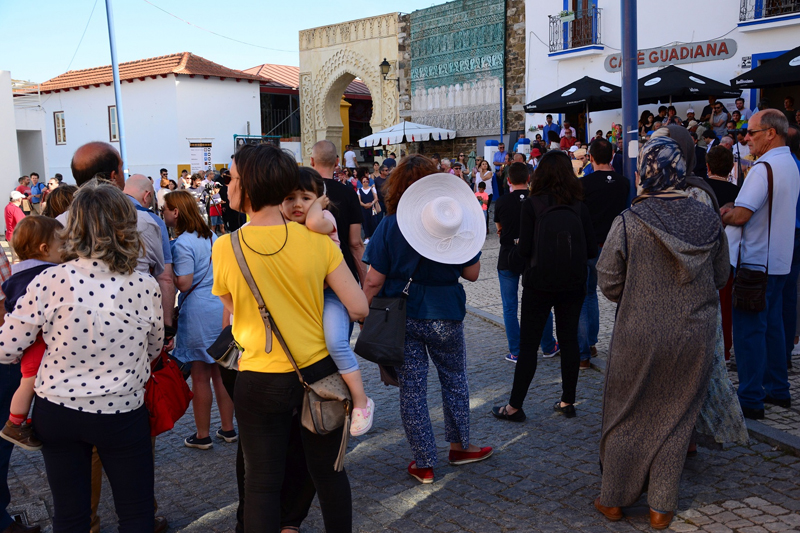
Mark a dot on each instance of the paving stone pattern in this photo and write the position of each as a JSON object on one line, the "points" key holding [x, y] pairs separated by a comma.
{"points": [[542, 478]]}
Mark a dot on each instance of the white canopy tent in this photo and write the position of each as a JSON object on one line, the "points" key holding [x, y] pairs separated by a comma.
{"points": [[406, 132]]}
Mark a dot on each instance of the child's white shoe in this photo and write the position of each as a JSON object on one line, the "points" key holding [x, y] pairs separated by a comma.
{"points": [[362, 419]]}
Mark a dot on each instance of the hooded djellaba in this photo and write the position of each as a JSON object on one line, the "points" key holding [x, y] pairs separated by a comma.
{"points": [[663, 262]]}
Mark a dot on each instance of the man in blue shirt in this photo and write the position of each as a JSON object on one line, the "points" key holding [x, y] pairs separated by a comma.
{"points": [[36, 193], [766, 243], [790, 289], [550, 126]]}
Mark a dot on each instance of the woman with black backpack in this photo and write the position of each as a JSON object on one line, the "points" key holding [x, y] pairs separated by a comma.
{"points": [[556, 239]]}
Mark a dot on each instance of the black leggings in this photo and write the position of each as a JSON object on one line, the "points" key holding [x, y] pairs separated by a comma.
{"points": [[264, 410], [536, 307], [123, 443]]}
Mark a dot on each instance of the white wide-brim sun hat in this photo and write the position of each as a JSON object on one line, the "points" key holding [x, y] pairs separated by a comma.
{"points": [[441, 219]]}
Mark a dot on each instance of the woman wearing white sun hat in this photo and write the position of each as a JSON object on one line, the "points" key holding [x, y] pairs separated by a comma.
{"points": [[433, 234]]}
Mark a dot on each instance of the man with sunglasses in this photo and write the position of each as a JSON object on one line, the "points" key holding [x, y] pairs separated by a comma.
{"points": [[719, 117], [764, 243]]}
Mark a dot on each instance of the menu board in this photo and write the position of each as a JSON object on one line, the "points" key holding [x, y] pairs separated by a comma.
{"points": [[199, 156]]}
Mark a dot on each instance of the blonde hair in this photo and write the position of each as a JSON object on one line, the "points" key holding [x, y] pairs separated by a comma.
{"points": [[102, 225]]}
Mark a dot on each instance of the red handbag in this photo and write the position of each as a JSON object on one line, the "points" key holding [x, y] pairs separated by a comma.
{"points": [[166, 394]]}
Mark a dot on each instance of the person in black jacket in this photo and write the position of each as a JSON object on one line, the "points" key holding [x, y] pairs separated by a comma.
{"points": [[553, 185]]}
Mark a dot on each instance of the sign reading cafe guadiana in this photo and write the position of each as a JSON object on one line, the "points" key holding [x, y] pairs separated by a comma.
{"points": [[676, 54]]}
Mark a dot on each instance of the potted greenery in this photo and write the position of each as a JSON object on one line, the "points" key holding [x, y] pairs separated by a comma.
{"points": [[566, 16]]}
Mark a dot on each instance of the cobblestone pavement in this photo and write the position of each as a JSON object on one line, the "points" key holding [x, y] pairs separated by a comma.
{"points": [[542, 478], [484, 295]]}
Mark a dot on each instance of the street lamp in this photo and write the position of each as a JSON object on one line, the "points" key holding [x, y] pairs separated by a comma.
{"points": [[385, 68]]}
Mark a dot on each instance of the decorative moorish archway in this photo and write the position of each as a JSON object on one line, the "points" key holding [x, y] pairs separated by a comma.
{"points": [[333, 56]]}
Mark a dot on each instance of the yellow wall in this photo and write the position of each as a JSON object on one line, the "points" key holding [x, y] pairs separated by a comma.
{"points": [[344, 111]]}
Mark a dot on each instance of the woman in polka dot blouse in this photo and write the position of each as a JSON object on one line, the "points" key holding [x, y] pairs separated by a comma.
{"points": [[102, 323]]}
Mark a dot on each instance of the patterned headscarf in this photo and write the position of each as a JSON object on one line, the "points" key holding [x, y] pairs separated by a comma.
{"points": [[661, 166]]}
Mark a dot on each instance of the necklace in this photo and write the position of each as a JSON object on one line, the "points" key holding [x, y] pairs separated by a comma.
{"points": [[285, 240]]}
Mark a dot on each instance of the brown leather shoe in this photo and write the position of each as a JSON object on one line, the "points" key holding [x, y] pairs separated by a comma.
{"points": [[660, 520], [16, 527], [160, 525], [612, 513]]}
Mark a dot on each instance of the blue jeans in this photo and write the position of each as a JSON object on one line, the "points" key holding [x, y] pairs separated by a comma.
{"points": [[790, 298], [9, 381], [337, 326], [509, 287], [589, 325], [761, 349]]}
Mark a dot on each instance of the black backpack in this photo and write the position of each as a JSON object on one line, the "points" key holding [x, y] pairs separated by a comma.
{"points": [[559, 249]]}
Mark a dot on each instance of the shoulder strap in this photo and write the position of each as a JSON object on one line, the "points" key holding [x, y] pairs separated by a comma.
{"points": [[269, 322], [201, 279], [769, 220]]}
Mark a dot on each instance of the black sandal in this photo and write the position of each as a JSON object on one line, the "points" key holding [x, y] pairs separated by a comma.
{"points": [[501, 413]]}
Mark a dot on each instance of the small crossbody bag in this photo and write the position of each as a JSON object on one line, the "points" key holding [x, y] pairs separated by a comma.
{"points": [[327, 403]]}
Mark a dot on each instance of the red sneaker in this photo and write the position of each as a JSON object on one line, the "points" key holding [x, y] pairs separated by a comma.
{"points": [[423, 475], [459, 457]]}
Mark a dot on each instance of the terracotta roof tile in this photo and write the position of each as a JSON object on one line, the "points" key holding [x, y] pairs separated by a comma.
{"points": [[290, 76], [184, 63]]}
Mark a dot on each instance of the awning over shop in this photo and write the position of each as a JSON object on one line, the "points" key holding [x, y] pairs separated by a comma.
{"points": [[782, 71], [674, 84], [406, 132], [585, 94]]}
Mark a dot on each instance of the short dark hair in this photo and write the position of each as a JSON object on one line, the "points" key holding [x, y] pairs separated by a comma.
{"points": [[482, 185], [548, 116], [311, 181], [720, 161], [602, 151], [662, 108], [163, 170], [693, 134], [34, 174], [267, 173], [740, 99], [105, 162], [518, 173], [709, 134]]}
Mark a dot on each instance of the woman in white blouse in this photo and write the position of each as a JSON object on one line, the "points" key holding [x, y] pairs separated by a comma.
{"points": [[102, 323]]}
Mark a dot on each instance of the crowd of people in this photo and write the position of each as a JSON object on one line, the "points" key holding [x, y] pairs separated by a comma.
{"points": [[90, 302]]}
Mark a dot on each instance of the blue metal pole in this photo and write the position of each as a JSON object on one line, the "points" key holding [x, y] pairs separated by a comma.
{"points": [[630, 92], [117, 90], [501, 114]]}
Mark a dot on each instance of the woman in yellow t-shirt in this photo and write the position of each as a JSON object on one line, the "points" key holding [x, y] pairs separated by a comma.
{"points": [[290, 264]]}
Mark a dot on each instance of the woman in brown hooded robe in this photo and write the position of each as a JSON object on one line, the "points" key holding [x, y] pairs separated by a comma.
{"points": [[663, 262]]}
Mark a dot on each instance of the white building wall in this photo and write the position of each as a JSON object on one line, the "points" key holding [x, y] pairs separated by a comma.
{"points": [[8, 139], [215, 111], [31, 131], [658, 25], [160, 114]]}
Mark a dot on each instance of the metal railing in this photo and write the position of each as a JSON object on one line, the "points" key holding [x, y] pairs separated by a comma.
{"points": [[758, 9], [280, 122], [579, 28]]}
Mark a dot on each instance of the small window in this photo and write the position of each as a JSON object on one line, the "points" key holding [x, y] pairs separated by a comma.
{"points": [[113, 127], [61, 127]]}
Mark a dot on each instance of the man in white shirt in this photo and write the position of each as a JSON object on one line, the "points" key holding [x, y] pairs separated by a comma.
{"points": [[565, 128], [101, 160], [765, 243], [350, 158]]}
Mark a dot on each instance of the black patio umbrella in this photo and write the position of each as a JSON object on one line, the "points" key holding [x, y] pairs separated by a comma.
{"points": [[585, 93], [779, 72], [674, 84]]}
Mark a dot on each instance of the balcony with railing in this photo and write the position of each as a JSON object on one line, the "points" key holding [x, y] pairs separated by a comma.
{"points": [[755, 14], [574, 31]]}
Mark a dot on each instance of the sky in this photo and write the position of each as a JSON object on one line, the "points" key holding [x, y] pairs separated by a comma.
{"points": [[41, 38]]}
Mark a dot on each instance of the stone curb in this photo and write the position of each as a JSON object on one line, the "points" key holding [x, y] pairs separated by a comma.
{"points": [[758, 430]]}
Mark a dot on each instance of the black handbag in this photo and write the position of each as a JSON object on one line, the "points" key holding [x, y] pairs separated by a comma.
{"points": [[225, 351], [749, 285], [383, 334]]}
